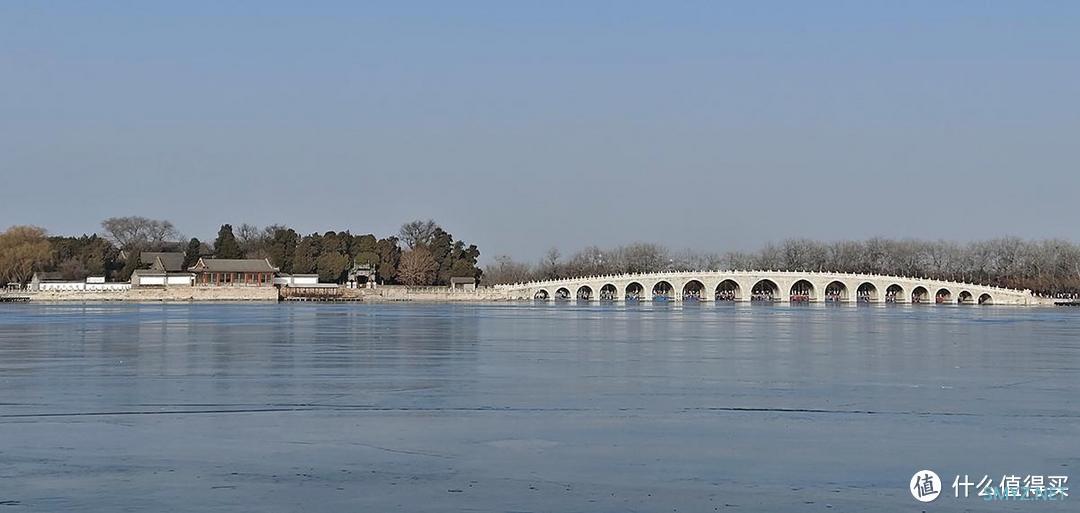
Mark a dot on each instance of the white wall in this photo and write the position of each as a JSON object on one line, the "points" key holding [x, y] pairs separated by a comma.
{"points": [[301, 280], [151, 280], [80, 285], [297, 280], [180, 280]]}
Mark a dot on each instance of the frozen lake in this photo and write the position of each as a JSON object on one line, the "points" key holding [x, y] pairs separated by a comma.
{"points": [[592, 408]]}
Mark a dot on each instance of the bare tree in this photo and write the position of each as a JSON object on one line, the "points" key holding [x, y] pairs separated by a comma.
{"points": [[590, 261], [417, 267], [418, 233], [690, 260], [550, 265], [135, 232], [737, 261], [506, 270], [1050, 266], [641, 257], [250, 238]]}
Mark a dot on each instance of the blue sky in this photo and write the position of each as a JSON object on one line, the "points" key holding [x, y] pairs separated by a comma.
{"points": [[522, 125]]}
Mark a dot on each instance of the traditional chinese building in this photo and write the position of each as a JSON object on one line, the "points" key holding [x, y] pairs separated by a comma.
{"points": [[244, 272], [164, 261], [161, 269]]}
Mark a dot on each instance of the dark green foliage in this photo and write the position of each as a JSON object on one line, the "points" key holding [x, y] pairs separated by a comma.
{"points": [[305, 260], [364, 244], [192, 252], [130, 265], [333, 242], [281, 248], [332, 266], [79, 257], [225, 245], [389, 258], [459, 262]]}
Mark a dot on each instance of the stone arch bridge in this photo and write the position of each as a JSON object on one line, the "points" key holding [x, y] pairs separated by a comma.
{"points": [[791, 286]]}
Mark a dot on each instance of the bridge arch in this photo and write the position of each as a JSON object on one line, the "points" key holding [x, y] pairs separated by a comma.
{"points": [[965, 298], [986, 299], [584, 293], [943, 295], [802, 291], [728, 290], [609, 292], [693, 290], [634, 291], [765, 290], [663, 291], [920, 295], [836, 291], [867, 293], [563, 293], [894, 294], [542, 295]]}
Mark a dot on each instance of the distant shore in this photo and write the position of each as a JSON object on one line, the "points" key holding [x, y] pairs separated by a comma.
{"points": [[380, 294]]}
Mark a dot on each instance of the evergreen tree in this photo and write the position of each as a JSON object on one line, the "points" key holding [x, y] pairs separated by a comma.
{"points": [[332, 266], [366, 250], [305, 259], [226, 246], [192, 252], [281, 249], [389, 258]]}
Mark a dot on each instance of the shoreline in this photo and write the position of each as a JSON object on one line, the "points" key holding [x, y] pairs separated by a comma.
{"points": [[385, 294]]}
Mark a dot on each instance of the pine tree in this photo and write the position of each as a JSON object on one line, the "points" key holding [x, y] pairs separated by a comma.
{"points": [[192, 253], [225, 246]]}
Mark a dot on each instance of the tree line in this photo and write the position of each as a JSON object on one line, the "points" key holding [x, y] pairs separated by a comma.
{"points": [[422, 253], [1044, 266]]}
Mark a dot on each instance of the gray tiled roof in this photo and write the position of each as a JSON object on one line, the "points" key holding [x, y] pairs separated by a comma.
{"points": [[234, 265], [171, 261]]}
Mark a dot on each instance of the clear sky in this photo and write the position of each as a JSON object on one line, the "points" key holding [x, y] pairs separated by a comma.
{"points": [[522, 125]]}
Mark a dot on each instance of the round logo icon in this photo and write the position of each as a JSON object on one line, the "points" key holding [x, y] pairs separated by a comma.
{"points": [[925, 486]]}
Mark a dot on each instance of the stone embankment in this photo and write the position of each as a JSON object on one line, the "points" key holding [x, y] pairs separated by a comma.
{"points": [[387, 293], [158, 294]]}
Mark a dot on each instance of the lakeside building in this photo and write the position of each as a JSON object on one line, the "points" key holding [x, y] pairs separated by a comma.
{"points": [[463, 283], [165, 268], [234, 272], [168, 261]]}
